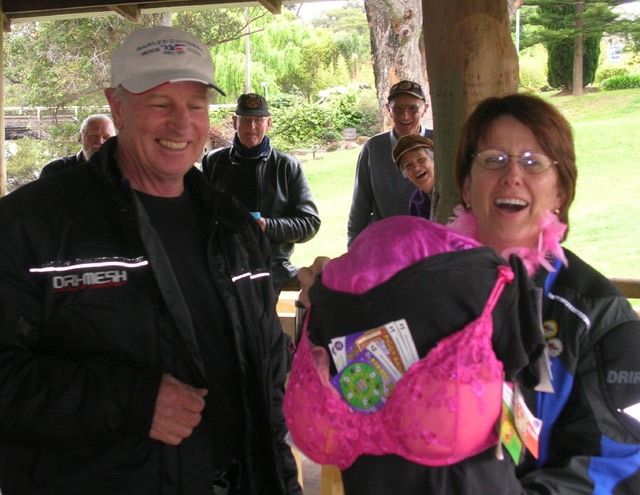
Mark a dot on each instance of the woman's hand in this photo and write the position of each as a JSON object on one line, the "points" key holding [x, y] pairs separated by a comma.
{"points": [[307, 277]]}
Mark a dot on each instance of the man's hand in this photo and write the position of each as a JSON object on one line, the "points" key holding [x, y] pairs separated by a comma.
{"points": [[263, 223], [307, 276], [177, 412]]}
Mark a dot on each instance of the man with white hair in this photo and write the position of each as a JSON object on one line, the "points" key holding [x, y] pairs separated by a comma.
{"points": [[94, 132], [140, 351]]}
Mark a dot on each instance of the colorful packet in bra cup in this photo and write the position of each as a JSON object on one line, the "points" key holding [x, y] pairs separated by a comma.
{"points": [[368, 380]]}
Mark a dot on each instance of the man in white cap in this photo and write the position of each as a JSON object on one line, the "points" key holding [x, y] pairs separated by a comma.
{"points": [[140, 352]]}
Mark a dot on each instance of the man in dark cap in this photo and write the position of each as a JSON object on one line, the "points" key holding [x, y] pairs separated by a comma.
{"points": [[380, 190], [269, 183]]}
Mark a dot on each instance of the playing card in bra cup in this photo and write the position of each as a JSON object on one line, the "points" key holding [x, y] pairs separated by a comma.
{"points": [[383, 336], [394, 336], [369, 364]]}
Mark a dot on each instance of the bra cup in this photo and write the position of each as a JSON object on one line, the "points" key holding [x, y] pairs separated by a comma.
{"points": [[478, 416], [314, 423], [417, 414], [448, 403]]}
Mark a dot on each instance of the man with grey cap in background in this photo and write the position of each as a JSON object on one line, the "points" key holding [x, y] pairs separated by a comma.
{"points": [[140, 352], [380, 190], [269, 183]]}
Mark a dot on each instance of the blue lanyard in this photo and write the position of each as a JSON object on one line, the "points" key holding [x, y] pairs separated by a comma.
{"points": [[551, 276]]}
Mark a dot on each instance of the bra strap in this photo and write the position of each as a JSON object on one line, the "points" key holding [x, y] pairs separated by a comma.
{"points": [[505, 275], [306, 323]]}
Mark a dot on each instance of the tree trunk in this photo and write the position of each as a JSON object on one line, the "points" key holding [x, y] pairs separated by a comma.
{"points": [[3, 162], [395, 28], [470, 56], [578, 52], [513, 6]]}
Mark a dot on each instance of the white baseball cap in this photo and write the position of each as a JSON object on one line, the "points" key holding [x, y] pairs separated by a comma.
{"points": [[150, 57]]}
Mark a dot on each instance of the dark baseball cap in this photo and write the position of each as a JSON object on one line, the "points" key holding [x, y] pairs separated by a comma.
{"points": [[252, 105], [406, 87]]}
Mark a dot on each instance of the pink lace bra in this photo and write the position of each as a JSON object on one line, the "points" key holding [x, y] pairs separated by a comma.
{"points": [[443, 410]]}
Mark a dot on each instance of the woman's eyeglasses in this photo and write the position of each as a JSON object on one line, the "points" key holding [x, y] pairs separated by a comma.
{"points": [[531, 162]]}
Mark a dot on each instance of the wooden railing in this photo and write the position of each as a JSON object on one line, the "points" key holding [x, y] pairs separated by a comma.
{"points": [[630, 287]]}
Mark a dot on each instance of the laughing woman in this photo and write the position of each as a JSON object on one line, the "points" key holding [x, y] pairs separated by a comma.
{"points": [[516, 171], [515, 167]]}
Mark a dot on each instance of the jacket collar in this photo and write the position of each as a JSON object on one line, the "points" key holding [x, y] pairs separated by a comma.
{"points": [[223, 207]]}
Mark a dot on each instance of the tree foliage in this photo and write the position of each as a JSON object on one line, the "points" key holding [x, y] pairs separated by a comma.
{"points": [[286, 52], [66, 63], [554, 24], [24, 160], [62, 63]]}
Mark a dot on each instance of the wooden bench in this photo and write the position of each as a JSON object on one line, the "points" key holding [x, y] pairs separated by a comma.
{"points": [[312, 149], [630, 287]]}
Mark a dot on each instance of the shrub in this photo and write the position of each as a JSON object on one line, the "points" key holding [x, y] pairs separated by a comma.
{"points": [[533, 68], [621, 82], [607, 72], [302, 125], [333, 146], [299, 124], [356, 107], [220, 135], [25, 157], [532, 78]]}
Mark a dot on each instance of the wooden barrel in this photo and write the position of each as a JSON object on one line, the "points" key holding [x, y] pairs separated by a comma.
{"points": [[349, 134]]}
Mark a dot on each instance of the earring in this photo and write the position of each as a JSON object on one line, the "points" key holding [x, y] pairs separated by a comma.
{"points": [[467, 206], [556, 211]]}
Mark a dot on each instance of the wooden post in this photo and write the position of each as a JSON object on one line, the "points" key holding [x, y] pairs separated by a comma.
{"points": [[470, 56], [3, 167]]}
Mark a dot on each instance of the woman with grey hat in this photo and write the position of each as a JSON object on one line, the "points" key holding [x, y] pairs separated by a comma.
{"points": [[413, 155]]}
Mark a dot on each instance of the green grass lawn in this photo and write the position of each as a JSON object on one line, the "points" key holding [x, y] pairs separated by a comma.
{"points": [[604, 231]]}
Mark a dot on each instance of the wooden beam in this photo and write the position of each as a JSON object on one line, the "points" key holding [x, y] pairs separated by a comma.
{"points": [[6, 24], [470, 56], [273, 6], [28, 9], [129, 12], [11, 6]]}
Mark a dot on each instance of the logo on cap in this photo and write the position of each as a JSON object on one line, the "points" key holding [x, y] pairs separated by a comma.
{"points": [[404, 86], [175, 47], [252, 102]]}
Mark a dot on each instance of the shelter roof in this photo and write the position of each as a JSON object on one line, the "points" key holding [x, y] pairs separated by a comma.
{"points": [[31, 10]]}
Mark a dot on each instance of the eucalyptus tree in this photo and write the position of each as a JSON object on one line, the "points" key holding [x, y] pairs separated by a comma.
{"points": [[60, 63], [397, 48]]}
